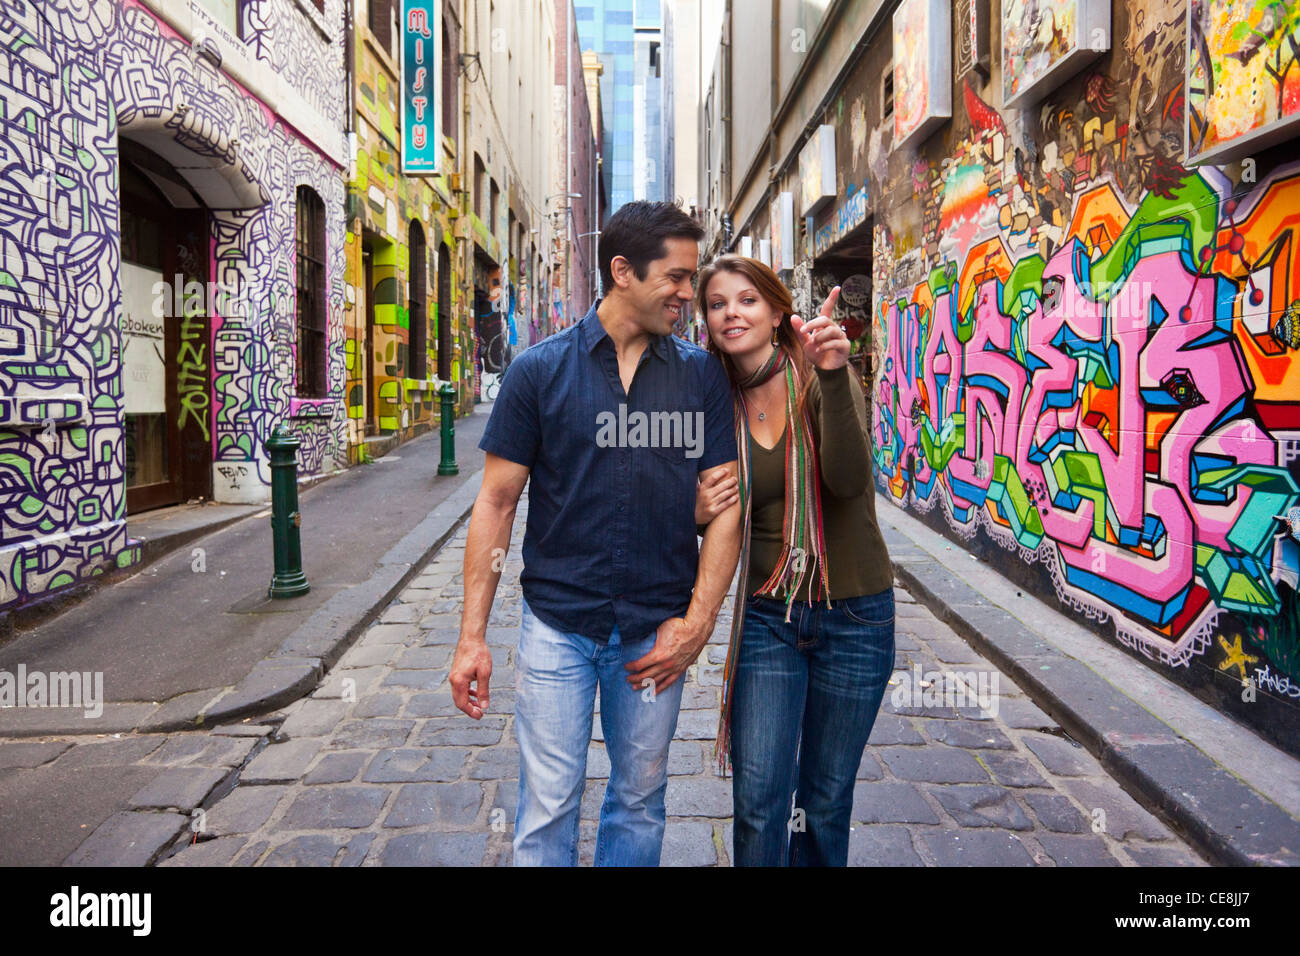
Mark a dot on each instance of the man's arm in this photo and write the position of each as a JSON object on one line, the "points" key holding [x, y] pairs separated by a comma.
{"points": [[680, 639], [485, 550]]}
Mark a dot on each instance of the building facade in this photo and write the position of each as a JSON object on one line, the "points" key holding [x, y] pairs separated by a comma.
{"points": [[575, 194], [407, 308], [1070, 270], [511, 51], [628, 37], [171, 265]]}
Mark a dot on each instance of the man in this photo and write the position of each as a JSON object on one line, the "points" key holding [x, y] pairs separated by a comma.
{"points": [[615, 421]]}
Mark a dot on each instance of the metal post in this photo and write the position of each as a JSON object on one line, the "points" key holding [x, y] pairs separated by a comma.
{"points": [[288, 580], [447, 466]]}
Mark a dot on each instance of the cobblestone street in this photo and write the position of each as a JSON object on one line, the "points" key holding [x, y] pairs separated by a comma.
{"points": [[377, 767]]}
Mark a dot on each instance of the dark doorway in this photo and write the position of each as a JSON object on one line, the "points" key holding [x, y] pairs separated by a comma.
{"points": [[444, 314], [417, 316], [848, 264], [368, 339], [167, 298]]}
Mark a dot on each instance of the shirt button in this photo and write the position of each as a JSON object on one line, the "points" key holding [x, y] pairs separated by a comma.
{"points": [[618, 552], [622, 508]]}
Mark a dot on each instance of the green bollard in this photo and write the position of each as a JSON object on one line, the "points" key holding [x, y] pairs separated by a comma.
{"points": [[448, 464], [288, 580]]}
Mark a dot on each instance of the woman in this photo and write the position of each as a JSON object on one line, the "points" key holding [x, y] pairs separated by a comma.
{"points": [[812, 643]]}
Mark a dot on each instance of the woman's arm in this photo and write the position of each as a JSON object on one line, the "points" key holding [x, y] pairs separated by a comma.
{"points": [[836, 399], [839, 409]]}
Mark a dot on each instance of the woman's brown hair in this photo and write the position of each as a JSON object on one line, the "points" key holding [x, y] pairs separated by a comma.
{"points": [[772, 291]]}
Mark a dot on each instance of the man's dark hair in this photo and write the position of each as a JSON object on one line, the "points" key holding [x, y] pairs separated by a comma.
{"points": [[637, 232]]}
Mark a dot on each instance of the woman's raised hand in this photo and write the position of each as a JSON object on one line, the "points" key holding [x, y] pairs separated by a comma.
{"points": [[824, 342]]}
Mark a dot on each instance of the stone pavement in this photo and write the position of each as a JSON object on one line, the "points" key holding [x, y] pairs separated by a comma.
{"points": [[377, 767]]}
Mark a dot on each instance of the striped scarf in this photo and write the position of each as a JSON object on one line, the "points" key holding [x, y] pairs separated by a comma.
{"points": [[803, 555]]}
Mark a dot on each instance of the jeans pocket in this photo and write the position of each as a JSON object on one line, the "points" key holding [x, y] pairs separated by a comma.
{"points": [[872, 610]]}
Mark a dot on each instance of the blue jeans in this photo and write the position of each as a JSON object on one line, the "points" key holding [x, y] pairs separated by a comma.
{"points": [[805, 696], [556, 678]]}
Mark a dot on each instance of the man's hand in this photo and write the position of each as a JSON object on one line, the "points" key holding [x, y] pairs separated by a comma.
{"points": [[676, 647], [471, 670], [717, 491], [486, 543]]}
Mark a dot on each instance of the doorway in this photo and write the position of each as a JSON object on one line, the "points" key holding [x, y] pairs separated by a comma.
{"points": [[368, 337], [164, 348]]}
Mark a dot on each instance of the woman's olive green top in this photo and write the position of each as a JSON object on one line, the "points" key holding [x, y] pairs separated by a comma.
{"points": [[856, 556]]}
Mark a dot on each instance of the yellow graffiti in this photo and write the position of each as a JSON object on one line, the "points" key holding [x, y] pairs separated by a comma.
{"points": [[192, 377], [1236, 657]]}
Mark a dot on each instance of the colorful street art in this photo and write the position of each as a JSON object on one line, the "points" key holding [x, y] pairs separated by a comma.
{"points": [[1087, 359], [1124, 411], [76, 74], [1244, 73]]}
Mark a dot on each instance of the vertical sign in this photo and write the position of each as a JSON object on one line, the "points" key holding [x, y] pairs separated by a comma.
{"points": [[817, 171], [922, 69], [973, 37], [781, 216], [421, 86]]}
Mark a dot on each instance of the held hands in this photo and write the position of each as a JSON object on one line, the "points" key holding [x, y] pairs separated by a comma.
{"points": [[677, 645], [714, 495], [824, 342]]}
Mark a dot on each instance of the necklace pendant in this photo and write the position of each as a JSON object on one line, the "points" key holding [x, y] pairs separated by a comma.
{"points": [[762, 416]]}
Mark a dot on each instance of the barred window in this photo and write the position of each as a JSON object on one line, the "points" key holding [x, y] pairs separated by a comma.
{"points": [[310, 361]]}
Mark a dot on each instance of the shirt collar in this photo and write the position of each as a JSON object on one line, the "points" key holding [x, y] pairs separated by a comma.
{"points": [[593, 333]]}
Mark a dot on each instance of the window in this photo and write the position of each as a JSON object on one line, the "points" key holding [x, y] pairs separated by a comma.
{"points": [[382, 20], [450, 73], [394, 31], [418, 318], [444, 313], [310, 359], [479, 175], [225, 12], [887, 93], [494, 211]]}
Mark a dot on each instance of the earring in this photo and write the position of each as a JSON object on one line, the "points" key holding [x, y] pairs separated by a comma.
{"points": [[775, 329]]}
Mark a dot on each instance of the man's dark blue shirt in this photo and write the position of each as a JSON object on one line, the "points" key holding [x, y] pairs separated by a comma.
{"points": [[611, 535]]}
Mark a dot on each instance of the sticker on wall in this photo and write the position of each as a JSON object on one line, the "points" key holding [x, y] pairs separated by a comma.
{"points": [[922, 69], [1045, 42], [421, 86], [1243, 77]]}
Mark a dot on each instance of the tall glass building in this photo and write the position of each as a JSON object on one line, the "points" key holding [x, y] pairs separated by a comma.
{"points": [[628, 36]]}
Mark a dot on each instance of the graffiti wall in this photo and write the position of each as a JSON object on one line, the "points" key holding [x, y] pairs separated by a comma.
{"points": [[78, 75], [1087, 366]]}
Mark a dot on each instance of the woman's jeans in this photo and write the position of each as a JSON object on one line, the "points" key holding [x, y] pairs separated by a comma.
{"points": [[805, 696]]}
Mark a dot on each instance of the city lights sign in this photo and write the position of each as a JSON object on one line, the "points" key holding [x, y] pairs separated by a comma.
{"points": [[421, 86]]}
